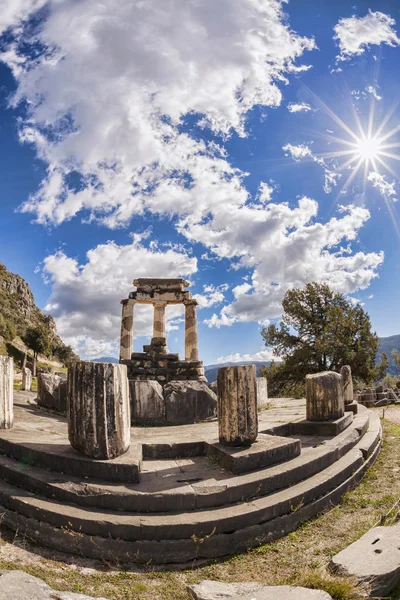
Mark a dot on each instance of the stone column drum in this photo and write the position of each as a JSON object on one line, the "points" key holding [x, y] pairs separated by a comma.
{"points": [[159, 321], [26, 379], [237, 405], [191, 339], [126, 345], [98, 409], [348, 392], [324, 396], [6, 392]]}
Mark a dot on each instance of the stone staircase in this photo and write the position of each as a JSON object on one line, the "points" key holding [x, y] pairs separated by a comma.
{"points": [[185, 508]]}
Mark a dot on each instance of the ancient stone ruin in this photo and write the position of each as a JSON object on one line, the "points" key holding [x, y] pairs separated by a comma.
{"points": [[164, 389], [6, 392]]}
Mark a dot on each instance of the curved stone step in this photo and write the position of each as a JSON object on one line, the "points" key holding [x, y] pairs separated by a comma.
{"points": [[181, 550], [200, 495], [133, 526]]}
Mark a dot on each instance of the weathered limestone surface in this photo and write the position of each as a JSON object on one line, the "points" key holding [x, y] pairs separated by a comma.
{"points": [[324, 396], [147, 402], [126, 344], [216, 590], [52, 391], [189, 401], [213, 387], [348, 392], [374, 560], [262, 392], [6, 392], [98, 409], [237, 405], [26, 379], [191, 338], [159, 320], [17, 585]]}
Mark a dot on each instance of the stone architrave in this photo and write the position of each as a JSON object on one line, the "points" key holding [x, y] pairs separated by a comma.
{"points": [[324, 396], [126, 343], [26, 379], [348, 392], [237, 405], [98, 409], [191, 338], [262, 392], [6, 392]]}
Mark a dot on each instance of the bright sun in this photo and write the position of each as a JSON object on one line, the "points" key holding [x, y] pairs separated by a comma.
{"points": [[368, 148]]}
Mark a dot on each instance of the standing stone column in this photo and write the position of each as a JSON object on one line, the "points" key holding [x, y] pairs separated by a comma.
{"points": [[191, 338], [126, 345], [159, 320], [237, 405], [348, 392], [26, 379], [324, 396], [98, 409], [6, 392]]}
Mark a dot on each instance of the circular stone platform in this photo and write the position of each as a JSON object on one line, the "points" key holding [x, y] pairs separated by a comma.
{"points": [[177, 496]]}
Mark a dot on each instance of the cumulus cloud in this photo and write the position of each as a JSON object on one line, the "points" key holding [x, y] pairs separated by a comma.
{"points": [[107, 98], [355, 34], [263, 355], [211, 295], [294, 107], [288, 249], [85, 298], [385, 188], [302, 151]]}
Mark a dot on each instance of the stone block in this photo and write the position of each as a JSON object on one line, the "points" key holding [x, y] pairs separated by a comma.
{"points": [[98, 409], [262, 392], [17, 585], [267, 450], [324, 396], [374, 560], [6, 392], [216, 590], [189, 401], [325, 428], [213, 387], [52, 391], [147, 402], [237, 405], [26, 379]]}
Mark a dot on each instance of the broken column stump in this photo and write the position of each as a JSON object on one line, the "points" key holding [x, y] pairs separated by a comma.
{"points": [[324, 405], [6, 392], [98, 409], [26, 379], [237, 405], [348, 391], [324, 396]]}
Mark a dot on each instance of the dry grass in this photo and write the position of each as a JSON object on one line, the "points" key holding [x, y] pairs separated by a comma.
{"points": [[297, 559]]}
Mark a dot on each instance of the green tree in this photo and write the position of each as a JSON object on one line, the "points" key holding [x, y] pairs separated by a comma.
{"points": [[65, 354], [38, 340], [320, 330]]}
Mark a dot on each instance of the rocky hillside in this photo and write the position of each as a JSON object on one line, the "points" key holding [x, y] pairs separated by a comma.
{"points": [[19, 314]]}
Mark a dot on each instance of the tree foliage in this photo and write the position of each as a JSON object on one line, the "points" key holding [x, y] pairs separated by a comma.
{"points": [[38, 339], [320, 330]]}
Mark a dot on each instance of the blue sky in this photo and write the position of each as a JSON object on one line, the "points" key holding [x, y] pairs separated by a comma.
{"points": [[248, 146]]}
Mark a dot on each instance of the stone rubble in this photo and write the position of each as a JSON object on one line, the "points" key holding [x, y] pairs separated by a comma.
{"points": [[215, 590], [17, 585], [52, 391]]}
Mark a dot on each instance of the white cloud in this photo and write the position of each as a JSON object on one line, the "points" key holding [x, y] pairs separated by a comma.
{"points": [[372, 90], [211, 295], [302, 151], [386, 189], [288, 248], [263, 355], [106, 99], [85, 298], [355, 34], [265, 192], [294, 107]]}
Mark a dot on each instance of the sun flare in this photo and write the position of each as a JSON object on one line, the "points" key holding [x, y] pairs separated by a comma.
{"points": [[368, 148]]}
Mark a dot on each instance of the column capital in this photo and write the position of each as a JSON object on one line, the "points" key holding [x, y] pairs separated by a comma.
{"points": [[190, 302]]}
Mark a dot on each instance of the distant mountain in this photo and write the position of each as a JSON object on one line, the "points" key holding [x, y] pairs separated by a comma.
{"points": [[387, 344], [211, 371], [107, 359]]}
